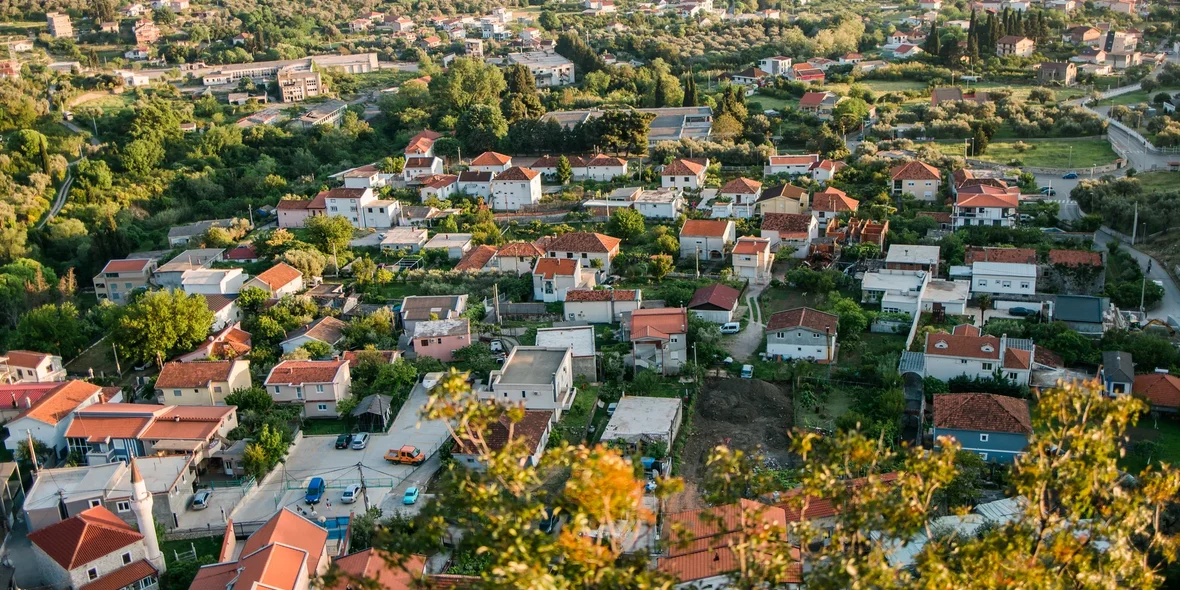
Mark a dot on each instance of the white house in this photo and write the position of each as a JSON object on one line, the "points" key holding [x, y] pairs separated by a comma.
{"points": [[476, 184], [491, 162], [515, 188], [790, 230], [802, 333], [985, 205], [605, 168], [418, 167], [790, 164], [740, 194], [456, 245], [966, 352], [279, 280], [706, 238], [775, 66], [660, 203], [1003, 278], [212, 281], [553, 277], [440, 186], [48, 418], [539, 378], [601, 306], [327, 330], [593, 249], [361, 207], [685, 174], [715, 303], [752, 259]]}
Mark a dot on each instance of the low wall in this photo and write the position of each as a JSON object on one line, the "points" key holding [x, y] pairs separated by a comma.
{"points": [[1035, 170]]}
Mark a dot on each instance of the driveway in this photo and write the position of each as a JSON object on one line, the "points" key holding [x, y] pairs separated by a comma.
{"points": [[316, 456], [744, 344], [1170, 305]]}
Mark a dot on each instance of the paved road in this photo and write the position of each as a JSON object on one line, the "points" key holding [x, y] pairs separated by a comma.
{"points": [[60, 200], [1170, 306], [744, 344]]}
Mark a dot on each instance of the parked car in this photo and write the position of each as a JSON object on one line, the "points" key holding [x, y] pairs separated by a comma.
{"points": [[315, 491], [1048, 191], [411, 496], [611, 407], [343, 441], [201, 499], [360, 440], [351, 493], [1070, 175], [731, 328], [1022, 311], [497, 346], [747, 371]]}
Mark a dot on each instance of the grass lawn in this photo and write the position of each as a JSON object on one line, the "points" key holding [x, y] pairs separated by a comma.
{"points": [[869, 344], [210, 546], [572, 426], [824, 414], [1133, 98], [1158, 180], [328, 426], [100, 358], [1043, 154], [1166, 436], [775, 299], [111, 102], [770, 102]]}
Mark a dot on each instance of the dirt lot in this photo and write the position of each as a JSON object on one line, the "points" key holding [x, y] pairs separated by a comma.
{"points": [[743, 414]]}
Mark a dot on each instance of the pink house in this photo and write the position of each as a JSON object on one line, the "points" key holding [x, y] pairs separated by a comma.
{"points": [[294, 212], [441, 338]]}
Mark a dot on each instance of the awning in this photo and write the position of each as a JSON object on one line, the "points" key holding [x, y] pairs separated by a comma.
{"points": [[188, 446]]}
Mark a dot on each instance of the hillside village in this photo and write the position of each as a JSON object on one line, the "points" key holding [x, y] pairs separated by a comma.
{"points": [[621, 294]]}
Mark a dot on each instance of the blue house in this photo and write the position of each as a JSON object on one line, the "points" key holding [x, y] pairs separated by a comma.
{"points": [[1117, 372], [995, 427]]}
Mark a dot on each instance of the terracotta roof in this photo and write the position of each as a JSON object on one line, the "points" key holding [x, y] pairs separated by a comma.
{"points": [[440, 180], [243, 252], [325, 329], [789, 191], [1004, 201], [579, 241], [788, 223], [517, 173], [700, 541], [685, 167], [353, 357], [824, 507], [1015, 358], [963, 344], [658, 323], [279, 275], [741, 186], [808, 159], [422, 142], [288, 528], [91, 535], [1161, 389], [1075, 257], [476, 258], [1009, 255], [420, 162], [833, 200], [58, 404], [380, 567], [23, 395], [344, 193], [982, 411], [715, 296], [520, 250], [748, 245], [551, 267], [578, 295], [298, 372], [804, 317], [292, 204], [812, 99], [915, 170], [216, 302], [553, 161], [1012, 39], [604, 160], [531, 428], [713, 228], [491, 159], [193, 375], [123, 577], [128, 265]]}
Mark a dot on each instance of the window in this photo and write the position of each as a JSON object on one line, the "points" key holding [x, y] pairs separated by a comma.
{"points": [[319, 388], [1024, 285], [126, 558], [816, 335], [1006, 284], [322, 407], [124, 506], [983, 438], [176, 392], [217, 389], [94, 503], [276, 389], [115, 296], [987, 366], [298, 393], [962, 361], [675, 339], [982, 282], [523, 394], [147, 582], [92, 573], [128, 285], [983, 456]]}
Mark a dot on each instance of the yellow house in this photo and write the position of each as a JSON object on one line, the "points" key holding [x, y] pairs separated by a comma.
{"points": [[785, 198]]}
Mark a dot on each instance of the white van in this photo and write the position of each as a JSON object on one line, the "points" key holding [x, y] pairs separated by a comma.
{"points": [[731, 328], [747, 371]]}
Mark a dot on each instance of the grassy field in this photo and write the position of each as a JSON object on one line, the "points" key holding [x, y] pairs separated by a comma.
{"points": [[770, 102], [1158, 181], [572, 426], [777, 299], [204, 546], [1043, 154], [1134, 98], [1166, 434], [112, 102], [331, 426]]}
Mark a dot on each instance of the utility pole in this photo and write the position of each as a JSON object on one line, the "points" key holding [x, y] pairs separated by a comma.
{"points": [[115, 351], [33, 451], [496, 302], [364, 491], [1135, 225], [698, 262]]}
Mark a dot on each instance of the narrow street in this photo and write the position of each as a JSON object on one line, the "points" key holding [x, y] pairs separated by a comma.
{"points": [[1170, 306]]}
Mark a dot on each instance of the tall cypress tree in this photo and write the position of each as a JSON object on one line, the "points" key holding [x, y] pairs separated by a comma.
{"points": [[690, 92], [933, 42], [973, 39]]}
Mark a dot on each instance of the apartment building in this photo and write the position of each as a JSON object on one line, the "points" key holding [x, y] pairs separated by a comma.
{"points": [[120, 277]]}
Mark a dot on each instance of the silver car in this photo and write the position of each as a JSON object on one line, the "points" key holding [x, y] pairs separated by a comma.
{"points": [[201, 499], [351, 493]]}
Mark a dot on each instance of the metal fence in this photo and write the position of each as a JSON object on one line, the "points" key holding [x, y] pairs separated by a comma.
{"points": [[342, 483]]}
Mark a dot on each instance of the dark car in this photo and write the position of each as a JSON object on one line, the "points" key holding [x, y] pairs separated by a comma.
{"points": [[343, 441], [1022, 311], [1070, 175]]}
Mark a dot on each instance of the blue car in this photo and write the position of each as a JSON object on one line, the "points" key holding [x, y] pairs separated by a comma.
{"points": [[315, 491], [411, 496], [1070, 175]]}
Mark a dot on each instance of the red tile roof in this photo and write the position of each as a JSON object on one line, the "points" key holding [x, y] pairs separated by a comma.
{"points": [[521, 250], [243, 252], [716, 296], [834, 201], [685, 167], [288, 528], [123, 577], [193, 375], [531, 428], [24, 395], [1161, 389], [58, 404], [982, 411], [804, 317], [517, 173], [344, 193], [551, 267], [603, 160], [26, 358], [742, 186], [420, 162], [1004, 201], [279, 275], [298, 372], [440, 180], [1015, 358], [476, 258], [293, 204], [128, 265], [582, 242], [808, 159], [823, 507], [713, 228], [1010, 255], [1075, 257], [748, 245], [92, 534], [792, 224], [577, 295], [700, 541], [658, 323], [422, 142], [384, 569], [491, 159], [915, 170], [812, 99]]}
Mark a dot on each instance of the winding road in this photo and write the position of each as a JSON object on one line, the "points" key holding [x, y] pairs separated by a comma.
{"points": [[63, 191]]}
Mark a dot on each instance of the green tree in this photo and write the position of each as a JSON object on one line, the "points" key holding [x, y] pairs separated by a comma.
{"points": [[392, 165], [142, 156], [317, 350], [849, 114], [626, 223], [564, 171], [467, 82], [56, 329], [667, 244], [661, 265], [691, 97], [448, 225], [521, 100], [251, 299], [309, 262], [481, 127], [160, 324], [329, 233], [250, 399]]}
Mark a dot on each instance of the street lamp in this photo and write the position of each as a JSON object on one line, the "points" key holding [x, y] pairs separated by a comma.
{"points": [[1070, 156]]}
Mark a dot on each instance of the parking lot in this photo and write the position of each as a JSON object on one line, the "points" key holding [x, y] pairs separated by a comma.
{"points": [[316, 456]]}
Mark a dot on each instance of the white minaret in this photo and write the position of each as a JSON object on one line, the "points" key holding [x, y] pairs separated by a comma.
{"points": [[141, 504]]}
